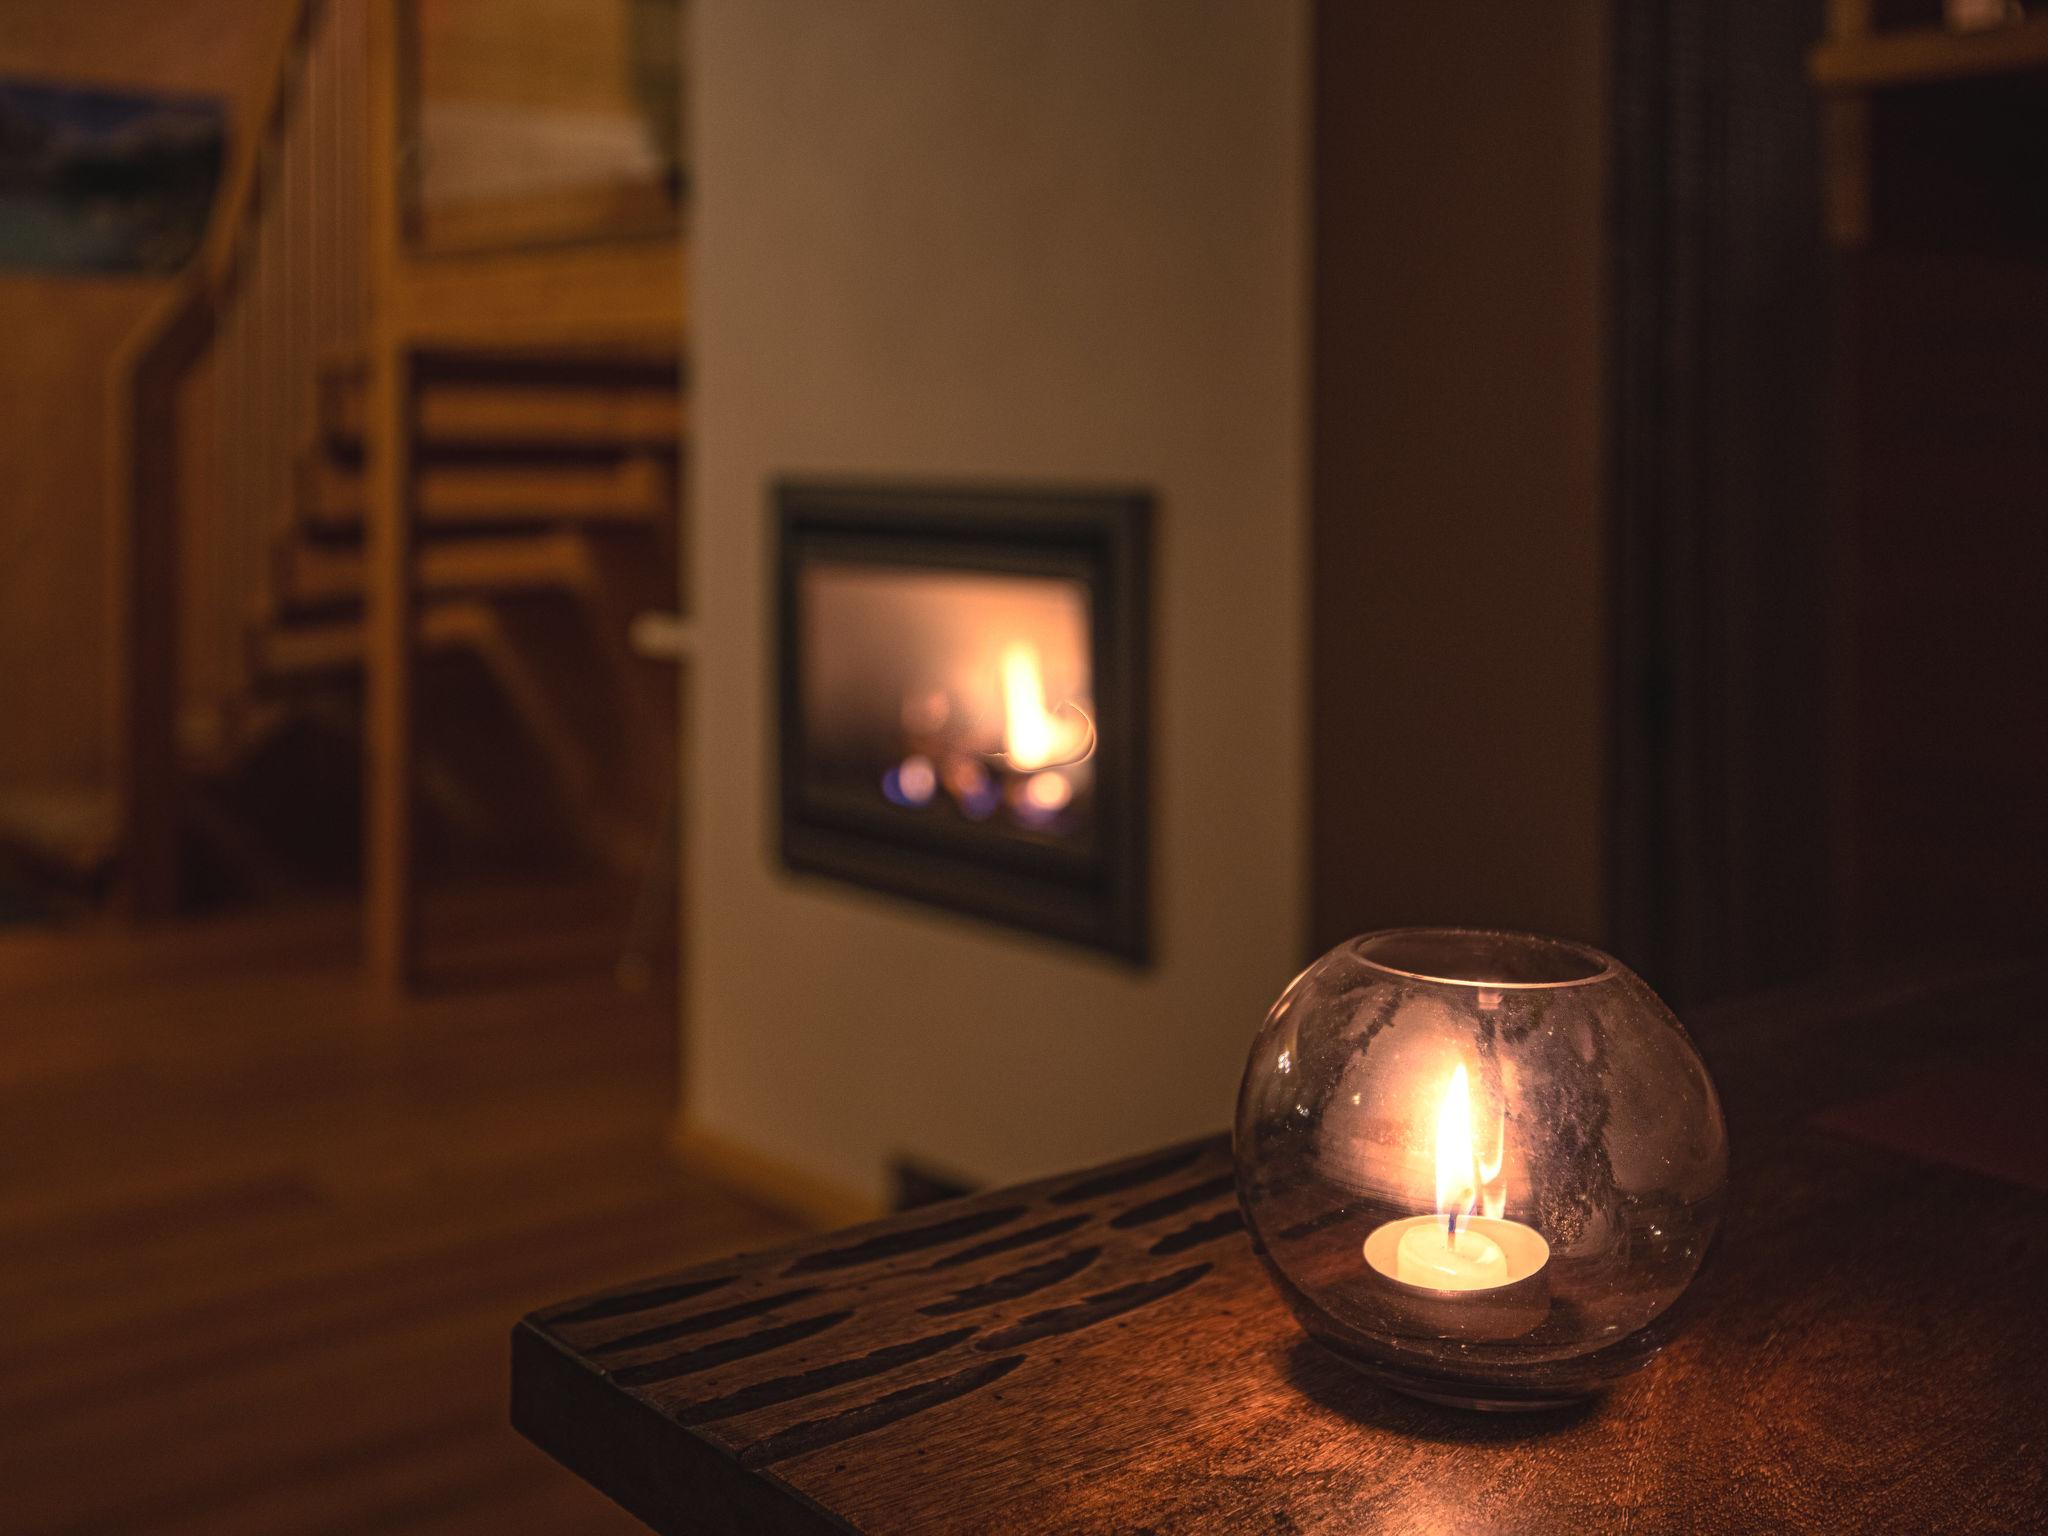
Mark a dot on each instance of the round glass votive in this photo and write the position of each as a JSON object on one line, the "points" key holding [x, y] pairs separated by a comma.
{"points": [[1482, 1167]]}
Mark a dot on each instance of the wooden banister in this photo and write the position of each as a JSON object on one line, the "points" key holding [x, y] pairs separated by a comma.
{"points": [[143, 480], [241, 189], [152, 502]]}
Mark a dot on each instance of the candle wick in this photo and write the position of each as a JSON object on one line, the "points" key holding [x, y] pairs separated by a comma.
{"points": [[1451, 1233]]}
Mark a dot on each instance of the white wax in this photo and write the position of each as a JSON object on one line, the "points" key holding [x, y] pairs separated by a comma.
{"points": [[1434, 1257], [1491, 1252]]}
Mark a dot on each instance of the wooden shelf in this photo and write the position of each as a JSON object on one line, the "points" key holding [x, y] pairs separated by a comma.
{"points": [[1927, 55]]}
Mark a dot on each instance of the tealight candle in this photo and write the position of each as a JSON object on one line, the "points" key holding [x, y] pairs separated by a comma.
{"points": [[1580, 1163], [1487, 1253], [1435, 1254], [1455, 1251]]}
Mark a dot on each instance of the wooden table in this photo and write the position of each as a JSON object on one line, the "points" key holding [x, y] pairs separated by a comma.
{"points": [[1101, 1352]]}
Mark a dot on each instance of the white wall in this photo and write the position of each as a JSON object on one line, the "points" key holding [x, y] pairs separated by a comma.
{"points": [[1036, 239]]}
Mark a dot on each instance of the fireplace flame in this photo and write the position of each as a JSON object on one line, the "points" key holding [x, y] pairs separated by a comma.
{"points": [[1049, 792], [1027, 727], [1033, 736]]}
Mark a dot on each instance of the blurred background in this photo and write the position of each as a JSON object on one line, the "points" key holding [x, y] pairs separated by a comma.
{"points": [[633, 625]]}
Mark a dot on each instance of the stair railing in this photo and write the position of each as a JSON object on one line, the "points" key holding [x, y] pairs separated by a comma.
{"points": [[279, 286]]}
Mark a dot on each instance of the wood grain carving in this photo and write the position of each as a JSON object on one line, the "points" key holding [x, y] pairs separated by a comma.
{"points": [[1102, 1353], [775, 1362]]}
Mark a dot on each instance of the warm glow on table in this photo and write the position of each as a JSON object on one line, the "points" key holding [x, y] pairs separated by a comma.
{"points": [[1456, 1249]]}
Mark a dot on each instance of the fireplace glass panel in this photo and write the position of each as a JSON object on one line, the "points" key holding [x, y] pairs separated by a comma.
{"points": [[962, 692], [952, 697]]}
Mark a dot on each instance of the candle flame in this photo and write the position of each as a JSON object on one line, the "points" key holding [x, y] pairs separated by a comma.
{"points": [[1466, 1180], [1493, 1188], [1457, 1187]]}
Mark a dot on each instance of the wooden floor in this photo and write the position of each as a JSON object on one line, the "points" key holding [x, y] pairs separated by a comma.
{"points": [[261, 1247]]}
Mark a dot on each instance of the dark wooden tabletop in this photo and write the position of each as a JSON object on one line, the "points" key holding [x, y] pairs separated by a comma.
{"points": [[1101, 1352]]}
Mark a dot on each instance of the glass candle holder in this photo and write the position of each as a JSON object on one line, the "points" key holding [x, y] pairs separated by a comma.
{"points": [[1482, 1167]]}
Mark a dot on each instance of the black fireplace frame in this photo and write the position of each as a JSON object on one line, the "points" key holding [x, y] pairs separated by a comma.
{"points": [[1100, 898]]}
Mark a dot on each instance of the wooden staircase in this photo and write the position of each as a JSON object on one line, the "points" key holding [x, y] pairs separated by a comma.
{"points": [[344, 469], [545, 500], [530, 476]]}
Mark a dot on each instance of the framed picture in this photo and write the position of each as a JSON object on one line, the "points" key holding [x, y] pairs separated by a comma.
{"points": [[541, 122], [105, 181]]}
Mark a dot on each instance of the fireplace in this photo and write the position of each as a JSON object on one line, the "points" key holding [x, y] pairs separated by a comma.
{"points": [[961, 683]]}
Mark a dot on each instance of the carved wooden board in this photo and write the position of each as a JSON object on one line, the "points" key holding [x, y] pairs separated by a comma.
{"points": [[1102, 1353]]}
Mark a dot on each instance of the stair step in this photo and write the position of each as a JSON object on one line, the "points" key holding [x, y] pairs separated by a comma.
{"points": [[285, 653], [76, 833], [478, 413], [299, 654], [307, 650], [634, 492], [314, 576]]}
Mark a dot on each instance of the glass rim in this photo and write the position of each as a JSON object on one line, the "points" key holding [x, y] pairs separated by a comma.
{"points": [[1596, 964]]}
